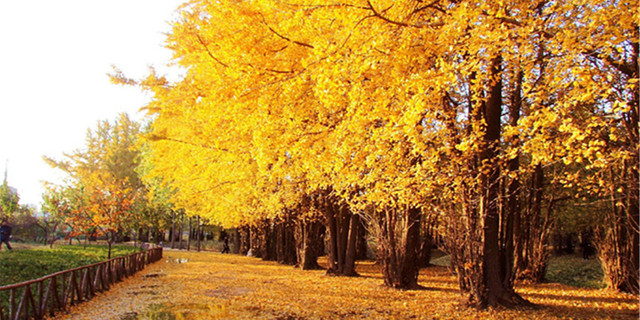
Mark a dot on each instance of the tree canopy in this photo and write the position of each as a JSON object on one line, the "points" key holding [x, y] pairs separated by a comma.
{"points": [[467, 110]]}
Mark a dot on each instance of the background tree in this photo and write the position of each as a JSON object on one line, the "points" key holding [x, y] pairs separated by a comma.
{"points": [[56, 209], [105, 184], [9, 199]]}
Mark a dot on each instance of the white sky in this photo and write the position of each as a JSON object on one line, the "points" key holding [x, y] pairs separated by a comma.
{"points": [[54, 60]]}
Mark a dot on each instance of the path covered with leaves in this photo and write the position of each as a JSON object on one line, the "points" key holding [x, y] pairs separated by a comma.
{"points": [[191, 285]]}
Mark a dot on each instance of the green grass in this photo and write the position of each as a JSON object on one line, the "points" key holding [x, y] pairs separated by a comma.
{"points": [[566, 269], [441, 259], [575, 271], [25, 264]]}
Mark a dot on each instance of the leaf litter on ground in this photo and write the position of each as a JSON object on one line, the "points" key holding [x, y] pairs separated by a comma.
{"points": [[207, 285]]}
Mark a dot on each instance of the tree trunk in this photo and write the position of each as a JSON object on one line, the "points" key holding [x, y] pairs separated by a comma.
{"points": [[268, 241], [338, 218], [409, 265], [512, 214], [398, 232], [173, 229], [190, 234], [424, 249], [256, 240], [618, 235], [494, 287], [333, 238], [236, 241], [198, 232], [285, 244], [308, 243], [245, 240], [180, 231], [532, 255], [350, 252], [361, 242], [109, 242]]}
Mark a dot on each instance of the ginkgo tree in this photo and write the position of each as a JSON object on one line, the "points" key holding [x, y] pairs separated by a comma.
{"points": [[393, 111]]}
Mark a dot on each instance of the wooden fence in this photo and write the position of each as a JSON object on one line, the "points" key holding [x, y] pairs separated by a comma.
{"points": [[37, 298]]}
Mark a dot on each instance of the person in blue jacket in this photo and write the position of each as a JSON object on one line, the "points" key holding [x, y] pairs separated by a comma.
{"points": [[5, 234]]}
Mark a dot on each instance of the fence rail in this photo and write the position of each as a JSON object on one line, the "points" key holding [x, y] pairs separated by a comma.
{"points": [[34, 299]]}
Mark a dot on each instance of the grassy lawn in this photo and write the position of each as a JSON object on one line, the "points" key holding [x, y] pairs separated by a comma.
{"points": [[573, 270], [569, 270], [28, 262]]}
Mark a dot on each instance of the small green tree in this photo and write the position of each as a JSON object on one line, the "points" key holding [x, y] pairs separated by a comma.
{"points": [[8, 200]]}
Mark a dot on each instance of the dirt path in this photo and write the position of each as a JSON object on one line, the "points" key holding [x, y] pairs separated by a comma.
{"points": [[133, 296]]}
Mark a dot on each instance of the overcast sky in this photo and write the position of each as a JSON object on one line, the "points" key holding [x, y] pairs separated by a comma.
{"points": [[54, 60]]}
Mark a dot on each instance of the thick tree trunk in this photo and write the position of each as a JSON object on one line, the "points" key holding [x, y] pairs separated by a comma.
{"points": [[245, 240], [333, 239], [180, 231], [410, 267], [361, 242], [512, 214], [173, 229], [257, 240], [285, 242], [632, 194], [424, 249], [236, 241], [309, 244], [338, 221], [198, 232], [495, 289], [532, 230], [618, 235], [190, 233], [110, 238], [268, 242], [342, 222], [350, 254], [398, 232]]}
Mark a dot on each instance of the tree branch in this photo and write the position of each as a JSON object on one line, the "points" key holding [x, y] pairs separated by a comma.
{"points": [[622, 67], [154, 137], [431, 5], [379, 15], [283, 37], [208, 51]]}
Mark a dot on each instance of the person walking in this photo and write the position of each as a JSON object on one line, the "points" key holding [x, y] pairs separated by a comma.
{"points": [[225, 244], [5, 234]]}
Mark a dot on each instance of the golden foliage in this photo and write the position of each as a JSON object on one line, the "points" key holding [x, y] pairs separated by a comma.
{"points": [[208, 285], [284, 98], [103, 186]]}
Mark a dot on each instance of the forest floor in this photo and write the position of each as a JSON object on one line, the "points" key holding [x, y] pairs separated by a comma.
{"points": [[207, 285]]}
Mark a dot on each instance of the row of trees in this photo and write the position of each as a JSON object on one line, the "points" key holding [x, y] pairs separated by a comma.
{"points": [[27, 224], [484, 119], [487, 117]]}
